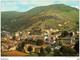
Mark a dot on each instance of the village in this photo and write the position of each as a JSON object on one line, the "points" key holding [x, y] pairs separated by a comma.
{"points": [[54, 39]]}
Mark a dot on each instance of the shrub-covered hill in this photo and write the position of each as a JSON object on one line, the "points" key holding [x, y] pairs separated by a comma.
{"points": [[58, 16]]}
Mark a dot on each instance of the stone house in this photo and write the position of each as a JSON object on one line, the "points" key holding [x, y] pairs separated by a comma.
{"points": [[13, 48], [69, 40]]}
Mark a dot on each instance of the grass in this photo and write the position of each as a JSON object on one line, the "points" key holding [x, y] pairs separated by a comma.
{"points": [[34, 54], [3, 55]]}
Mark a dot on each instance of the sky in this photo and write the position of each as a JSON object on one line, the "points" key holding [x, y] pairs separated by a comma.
{"points": [[23, 6]]}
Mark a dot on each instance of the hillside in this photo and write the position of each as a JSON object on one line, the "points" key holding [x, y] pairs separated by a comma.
{"points": [[58, 16]]}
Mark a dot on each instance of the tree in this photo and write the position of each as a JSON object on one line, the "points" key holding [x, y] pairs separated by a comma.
{"points": [[14, 37], [42, 52], [26, 39], [76, 47], [57, 52], [67, 51], [64, 34], [30, 49], [71, 34], [30, 40], [48, 49], [39, 42], [59, 42], [21, 46], [52, 33]]}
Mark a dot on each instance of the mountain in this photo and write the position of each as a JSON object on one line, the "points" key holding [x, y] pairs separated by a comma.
{"points": [[58, 16]]}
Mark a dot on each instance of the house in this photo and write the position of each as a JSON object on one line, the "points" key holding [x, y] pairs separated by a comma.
{"points": [[45, 37], [24, 36], [54, 30], [17, 34], [18, 38], [67, 45], [43, 45], [50, 40], [8, 45], [13, 48], [73, 33], [4, 48], [35, 37], [55, 47], [53, 37], [60, 25], [69, 40], [77, 32]]}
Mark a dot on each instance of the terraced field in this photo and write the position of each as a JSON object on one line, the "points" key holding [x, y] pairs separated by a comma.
{"points": [[14, 53]]}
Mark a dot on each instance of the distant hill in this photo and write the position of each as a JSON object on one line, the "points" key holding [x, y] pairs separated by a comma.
{"points": [[58, 16]]}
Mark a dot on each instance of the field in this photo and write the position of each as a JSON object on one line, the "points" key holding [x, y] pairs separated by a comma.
{"points": [[14, 53], [35, 54]]}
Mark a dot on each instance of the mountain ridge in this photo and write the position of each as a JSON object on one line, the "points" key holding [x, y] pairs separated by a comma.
{"points": [[51, 14]]}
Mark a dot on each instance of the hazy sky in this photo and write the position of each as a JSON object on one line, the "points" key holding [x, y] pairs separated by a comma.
{"points": [[22, 6]]}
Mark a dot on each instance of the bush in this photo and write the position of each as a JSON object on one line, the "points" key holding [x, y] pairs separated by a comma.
{"points": [[39, 42], [64, 34], [76, 47], [48, 49], [30, 49], [21, 46], [57, 52], [67, 51]]}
